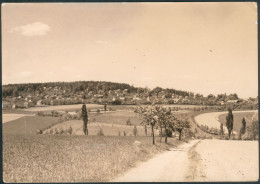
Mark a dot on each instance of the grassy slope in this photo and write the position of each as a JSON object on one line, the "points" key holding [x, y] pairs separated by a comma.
{"points": [[93, 128], [200, 132], [28, 124], [237, 119], [61, 158], [119, 117]]}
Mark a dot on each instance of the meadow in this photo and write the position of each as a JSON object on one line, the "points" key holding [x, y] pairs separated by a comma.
{"points": [[32, 157], [28, 125], [71, 158]]}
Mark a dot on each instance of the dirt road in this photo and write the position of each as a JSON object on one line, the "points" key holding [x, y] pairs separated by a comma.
{"points": [[168, 166], [205, 160], [223, 160]]}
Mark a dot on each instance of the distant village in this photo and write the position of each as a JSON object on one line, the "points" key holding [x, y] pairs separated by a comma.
{"points": [[62, 94]]}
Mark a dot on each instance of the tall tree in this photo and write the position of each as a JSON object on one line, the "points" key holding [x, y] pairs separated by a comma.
{"points": [[229, 122], [243, 128], [84, 115]]}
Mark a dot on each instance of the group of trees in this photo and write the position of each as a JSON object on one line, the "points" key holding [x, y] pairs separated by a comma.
{"points": [[160, 117], [15, 90]]}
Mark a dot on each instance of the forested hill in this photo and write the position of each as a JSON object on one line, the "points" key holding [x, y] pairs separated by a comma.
{"points": [[65, 93], [79, 86]]}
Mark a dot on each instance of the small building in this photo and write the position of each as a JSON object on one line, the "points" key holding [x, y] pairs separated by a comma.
{"points": [[232, 101], [39, 102]]}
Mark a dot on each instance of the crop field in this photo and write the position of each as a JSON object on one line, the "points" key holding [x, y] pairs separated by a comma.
{"points": [[28, 124], [71, 158], [249, 116]]}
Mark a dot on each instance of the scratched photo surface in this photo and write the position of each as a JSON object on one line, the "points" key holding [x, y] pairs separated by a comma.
{"points": [[130, 92]]}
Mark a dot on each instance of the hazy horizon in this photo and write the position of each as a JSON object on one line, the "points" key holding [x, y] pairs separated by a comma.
{"points": [[206, 48]]}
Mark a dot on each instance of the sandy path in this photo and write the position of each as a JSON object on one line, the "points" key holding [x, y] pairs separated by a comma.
{"points": [[211, 119], [224, 160], [168, 166], [11, 117]]}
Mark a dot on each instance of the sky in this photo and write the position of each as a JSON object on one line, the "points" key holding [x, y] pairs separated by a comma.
{"points": [[206, 48]]}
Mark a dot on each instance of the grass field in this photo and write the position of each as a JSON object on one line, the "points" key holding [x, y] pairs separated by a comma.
{"points": [[94, 127], [64, 158], [237, 124], [28, 124], [118, 117]]}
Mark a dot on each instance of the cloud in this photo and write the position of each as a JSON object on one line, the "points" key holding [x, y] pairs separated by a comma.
{"points": [[102, 41], [25, 73], [33, 29], [187, 76]]}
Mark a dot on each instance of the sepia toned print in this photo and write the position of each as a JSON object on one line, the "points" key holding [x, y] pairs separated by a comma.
{"points": [[130, 92]]}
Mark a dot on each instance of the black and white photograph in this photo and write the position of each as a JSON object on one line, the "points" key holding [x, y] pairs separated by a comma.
{"points": [[129, 92]]}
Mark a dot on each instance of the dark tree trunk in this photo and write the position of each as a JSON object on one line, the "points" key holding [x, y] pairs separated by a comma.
{"points": [[85, 129], [229, 133], [161, 135], [180, 134], [166, 135], [153, 134]]}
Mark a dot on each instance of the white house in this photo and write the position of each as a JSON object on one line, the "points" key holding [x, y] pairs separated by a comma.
{"points": [[39, 102]]}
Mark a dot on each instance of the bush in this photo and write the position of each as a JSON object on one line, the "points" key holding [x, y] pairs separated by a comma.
{"points": [[124, 133], [116, 102], [128, 122], [70, 130], [252, 131], [100, 132], [61, 131], [40, 113], [135, 131], [39, 131], [98, 110]]}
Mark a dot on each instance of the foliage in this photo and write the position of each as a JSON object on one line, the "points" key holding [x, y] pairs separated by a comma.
{"points": [[84, 114], [163, 118], [229, 122], [253, 131], [117, 102], [243, 128], [182, 124]]}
